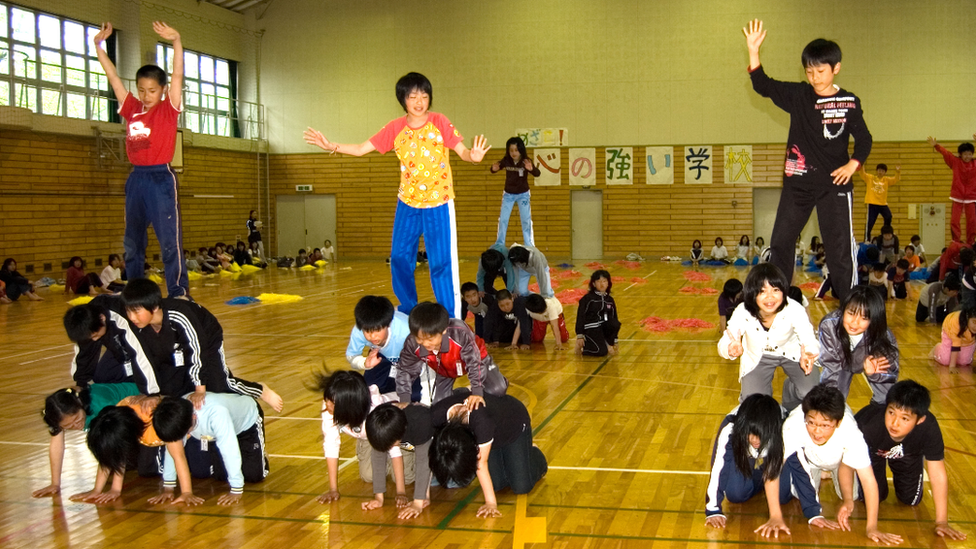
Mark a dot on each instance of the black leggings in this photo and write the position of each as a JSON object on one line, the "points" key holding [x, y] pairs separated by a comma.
{"points": [[518, 466], [596, 341]]}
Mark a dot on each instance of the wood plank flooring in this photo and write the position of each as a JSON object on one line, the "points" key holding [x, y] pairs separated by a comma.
{"points": [[628, 438]]}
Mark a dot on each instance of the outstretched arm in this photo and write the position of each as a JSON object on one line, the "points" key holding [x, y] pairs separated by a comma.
{"points": [[167, 32], [56, 457], [940, 495], [315, 137], [755, 34], [490, 508], [113, 75], [477, 151]]}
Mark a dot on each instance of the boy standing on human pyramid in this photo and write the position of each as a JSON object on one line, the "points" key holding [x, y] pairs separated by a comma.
{"points": [[152, 191], [823, 117], [425, 207]]}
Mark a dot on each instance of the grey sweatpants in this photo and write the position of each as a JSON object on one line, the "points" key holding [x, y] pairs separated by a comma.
{"points": [[795, 387]]}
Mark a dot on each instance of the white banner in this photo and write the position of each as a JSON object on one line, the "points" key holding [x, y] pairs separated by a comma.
{"points": [[738, 163], [548, 161], [698, 164], [620, 165], [660, 165], [582, 167]]}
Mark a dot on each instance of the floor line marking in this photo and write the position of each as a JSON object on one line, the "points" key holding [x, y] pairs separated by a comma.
{"points": [[35, 351], [45, 358], [618, 470]]}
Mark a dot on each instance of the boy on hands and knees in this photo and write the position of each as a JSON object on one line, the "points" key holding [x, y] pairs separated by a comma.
{"points": [[224, 439], [903, 434], [411, 429], [375, 344], [449, 347], [152, 190], [818, 169], [478, 304], [422, 141], [508, 322], [822, 436], [545, 312]]}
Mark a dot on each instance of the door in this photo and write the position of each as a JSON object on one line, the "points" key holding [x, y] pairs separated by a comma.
{"points": [[587, 223], [290, 214], [320, 221], [932, 221], [765, 201]]}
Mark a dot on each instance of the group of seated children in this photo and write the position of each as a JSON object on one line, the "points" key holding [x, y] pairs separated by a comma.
{"points": [[746, 253], [326, 253], [455, 434], [220, 257], [161, 379], [784, 451]]}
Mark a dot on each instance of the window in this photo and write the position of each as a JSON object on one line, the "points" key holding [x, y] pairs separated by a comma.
{"points": [[209, 91], [48, 65]]}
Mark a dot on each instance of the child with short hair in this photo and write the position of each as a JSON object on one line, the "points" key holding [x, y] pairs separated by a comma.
{"points": [[410, 428], [315, 257], [878, 280], [508, 322], [963, 192], [302, 258], [769, 331], [346, 402], [112, 274], [328, 251], [492, 442], [818, 169], [933, 301], [494, 263], [597, 326], [855, 339], [233, 423], [529, 261], [822, 436], [477, 305], [517, 166], [958, 339], [919, 249], [152, 190], [744, 250], [914, 262], [448, 347], [183, 337], [728, 300], [759, 251], [902, 433], [375, 344], [425, 205], [696, 252], [876, 195], [719, 252], [547, 312], [887, 242], [746, 459], [898, 279]]}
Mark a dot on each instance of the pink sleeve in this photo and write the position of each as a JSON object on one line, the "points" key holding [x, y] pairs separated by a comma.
{"points": [[451, 135], [384, 139], [130, 106]]}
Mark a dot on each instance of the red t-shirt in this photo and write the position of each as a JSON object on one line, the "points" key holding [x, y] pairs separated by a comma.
{"points": [[425, 170], [150, 136]]}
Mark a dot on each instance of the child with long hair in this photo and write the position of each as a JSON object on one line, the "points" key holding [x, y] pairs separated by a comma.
{"points": [[696, 252], [597, 325], [747, 459], [16, 284], [80, 282], [744, 250], [759, 250], [769, 331], [517, 166], [346, 402], [855, 339], [958, 339]]}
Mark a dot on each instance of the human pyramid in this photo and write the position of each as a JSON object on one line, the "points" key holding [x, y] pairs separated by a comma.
{"points": [[161, 392]]}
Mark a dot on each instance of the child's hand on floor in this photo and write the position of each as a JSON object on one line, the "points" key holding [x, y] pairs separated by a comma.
{"points": [[579, 346], [413, 509], [488, 511], [49, 490], [374, 503], [492, 345], [229, 499], [328, 497], [188, 498], [524, 347], [715, 521], [402, 501]]}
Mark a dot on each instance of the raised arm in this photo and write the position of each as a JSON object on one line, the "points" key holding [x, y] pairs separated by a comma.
{"points": [[167, 32], [113, 75], [315, 137], [755, 34]]}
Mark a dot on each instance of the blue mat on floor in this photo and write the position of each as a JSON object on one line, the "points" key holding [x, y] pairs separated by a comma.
{"points": [[243, 300], [741, 262], [918, 275]]}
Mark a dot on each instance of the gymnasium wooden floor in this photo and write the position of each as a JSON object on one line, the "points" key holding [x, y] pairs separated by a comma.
{"points": [[628, 438]]}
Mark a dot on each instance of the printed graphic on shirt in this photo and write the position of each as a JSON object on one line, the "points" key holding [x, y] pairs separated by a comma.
{"points": [[896, 452], [138, 136], [795, 165], [425, 177], [834, 111], [877, 185]]}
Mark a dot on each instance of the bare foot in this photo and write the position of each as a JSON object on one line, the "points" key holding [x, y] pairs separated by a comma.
{"points": [[5, 300], [272, 398], [34, 297]]}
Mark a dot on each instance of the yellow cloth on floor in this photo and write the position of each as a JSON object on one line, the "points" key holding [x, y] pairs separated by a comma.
{"points": [[321, 263], [225, 272], [307, 268], [279, 298], [234, 268], [193, 275], [81, 300], [155, 278], [56, 287], [248, 269]]}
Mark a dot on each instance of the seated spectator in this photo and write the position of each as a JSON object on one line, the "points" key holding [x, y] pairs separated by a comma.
{"points": [[302, 258], [80, 282], [112, 274], [241, 257], [192, 265]]}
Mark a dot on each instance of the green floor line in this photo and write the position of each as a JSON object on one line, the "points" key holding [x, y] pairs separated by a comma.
{"points": [[784, 541]]}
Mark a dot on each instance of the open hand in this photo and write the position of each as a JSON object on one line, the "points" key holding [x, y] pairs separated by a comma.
{"points": [[821, 522], [83, 496], [874, 365], [372, 504], [842, 175], [715, 521], [755, 34], [315, 137], [372, 359], [943, 530], [165, 31], [479, 148], [933, 142], [474, 402], [104, 497], [229, 499], [883, 537], [165, 497], [189, 499], [402, 501], [772, 528], [413, 509], [102, 35], [844, 515], [197, 399], [328, 497], [524, 347], [527, 163], [488, 510], [49, 490]]}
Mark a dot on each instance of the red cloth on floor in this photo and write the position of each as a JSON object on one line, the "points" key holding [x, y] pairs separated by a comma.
{"points": [[696, 276]]}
